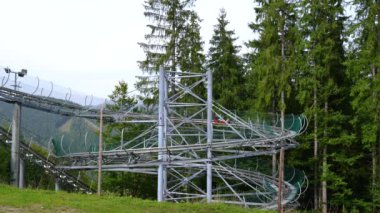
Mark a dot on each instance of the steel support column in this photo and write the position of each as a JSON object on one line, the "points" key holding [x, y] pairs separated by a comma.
{"points": [[57, 185], [165, 156], [161, 138], [21, 176], [209, 136], [15, 149]]}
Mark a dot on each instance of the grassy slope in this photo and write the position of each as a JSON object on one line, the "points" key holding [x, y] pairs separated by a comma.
{"points": [[27, 200]]}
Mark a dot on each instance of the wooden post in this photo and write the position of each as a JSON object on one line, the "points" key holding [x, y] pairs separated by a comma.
{"points": [[100, 151]]}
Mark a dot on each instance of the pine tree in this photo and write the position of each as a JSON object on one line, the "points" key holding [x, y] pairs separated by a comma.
{"points": [[364, 64], [225, 65]]}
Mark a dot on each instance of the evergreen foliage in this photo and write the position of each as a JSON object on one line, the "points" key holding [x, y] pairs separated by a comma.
{"points": [[271, 72], [322, 88], [125, 183], [226, 65], [5, 156], [120, 98], [363, 66], [174, 42], [191, 57]]}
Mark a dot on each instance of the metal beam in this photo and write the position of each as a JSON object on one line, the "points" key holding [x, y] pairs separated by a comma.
{"points": [[161, 120], [209, 137]]}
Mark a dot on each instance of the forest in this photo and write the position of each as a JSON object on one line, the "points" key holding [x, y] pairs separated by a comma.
{"points": [[320, 59], [317, 58]]}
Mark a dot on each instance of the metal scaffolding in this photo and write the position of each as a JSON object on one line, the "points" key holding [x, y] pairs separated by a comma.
{"points": [[188, 140]]}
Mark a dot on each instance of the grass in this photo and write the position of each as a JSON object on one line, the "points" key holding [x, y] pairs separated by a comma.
{"points": [[28, 200]]}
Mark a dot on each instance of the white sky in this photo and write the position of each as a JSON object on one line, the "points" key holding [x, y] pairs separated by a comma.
{"points": [[90, 45]]}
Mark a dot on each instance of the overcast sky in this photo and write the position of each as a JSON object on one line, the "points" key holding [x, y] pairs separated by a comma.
{"points": [[90, 45]]}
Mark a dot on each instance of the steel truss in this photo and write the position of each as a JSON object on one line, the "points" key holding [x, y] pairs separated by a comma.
{"points": [[188, 144], [192, 147]]}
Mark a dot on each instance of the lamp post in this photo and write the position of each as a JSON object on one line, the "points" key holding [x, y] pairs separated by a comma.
{"points": [[17, 164], [22, 73]]}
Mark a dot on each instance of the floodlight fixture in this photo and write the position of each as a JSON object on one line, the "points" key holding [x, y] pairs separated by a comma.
{"points": [[21, 73]]}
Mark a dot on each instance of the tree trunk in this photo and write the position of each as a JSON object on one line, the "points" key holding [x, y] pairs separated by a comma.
{"points": [[376, 145], [316, 193], [324, 183], [274, 165], [282, 159], [324, 167], [374, 174], [274, 156], [282, 107], [377, 174]]}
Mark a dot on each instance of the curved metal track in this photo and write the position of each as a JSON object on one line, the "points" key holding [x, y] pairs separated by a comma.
{"points": [[184, 142], [28, 154]]}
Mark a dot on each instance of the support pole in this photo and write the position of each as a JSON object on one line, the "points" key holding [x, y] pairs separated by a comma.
{"points": [[280, 207], [165, 156], [274, 165], [161, 132], [15, 149], [100, 151], [209, 137], [21, 183], [57, 186]]}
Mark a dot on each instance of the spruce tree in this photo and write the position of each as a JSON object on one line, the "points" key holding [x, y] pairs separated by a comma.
{"points": [[274, 62], [271, 70], [171, 21], [191, 57], [364, 65], [322, 88], [225, 64]]}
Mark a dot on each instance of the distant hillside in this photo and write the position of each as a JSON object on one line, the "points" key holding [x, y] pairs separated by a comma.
{"points": [[39, 127]]}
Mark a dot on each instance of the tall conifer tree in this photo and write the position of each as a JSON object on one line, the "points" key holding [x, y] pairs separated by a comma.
{"points": [[225, 65], [191, 57], [321, 91], [274, 62], [270, 71], [171, 22], [364, 67]]}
